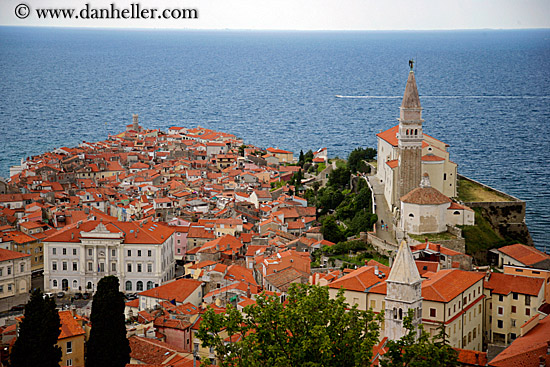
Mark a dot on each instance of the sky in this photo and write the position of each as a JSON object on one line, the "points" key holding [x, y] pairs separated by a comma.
{"points": [[298, 14]]}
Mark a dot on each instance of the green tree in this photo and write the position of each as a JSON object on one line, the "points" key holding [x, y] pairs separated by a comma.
{"points": [[416, 348], [310, 329], [36, 344], [241, 150], [331, 231], [308, 157], [339, 178], [358, 155], [301, 159], [108, 345]]}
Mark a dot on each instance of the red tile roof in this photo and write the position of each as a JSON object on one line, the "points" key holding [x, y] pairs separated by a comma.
{"points": [[10, 255], [425, 196], [179, 290], [359, 280], [528, 349], [527, 255], [69, 326], [508, 283], [445, 285]]}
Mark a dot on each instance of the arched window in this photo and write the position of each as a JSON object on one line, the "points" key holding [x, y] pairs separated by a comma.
{"points": [[54, 283], [394, 313], [75, 284], [407, 132], [456, 212], [411, 215], [89, 285], [415, 131], [149, 285], [400, 314], [64, 284], [128, 285], [139, 285]]}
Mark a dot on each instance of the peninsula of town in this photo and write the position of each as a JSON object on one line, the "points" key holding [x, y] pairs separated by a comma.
{"points": [[191, 219]]}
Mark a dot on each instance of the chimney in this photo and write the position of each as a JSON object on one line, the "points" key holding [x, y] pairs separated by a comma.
{"points": [[72, 235], [376, 270], [488, 275]]}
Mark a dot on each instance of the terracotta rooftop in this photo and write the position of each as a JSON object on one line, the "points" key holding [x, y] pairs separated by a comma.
{"points": [[425, 196], [507, 283], [527, 255], [359, 280], [69, 326], [179, 290], [527, 350], [11, 255], [445, 285]]}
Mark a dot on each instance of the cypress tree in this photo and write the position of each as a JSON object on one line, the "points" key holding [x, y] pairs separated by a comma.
{"points": [[108, 345], [36, 344]]}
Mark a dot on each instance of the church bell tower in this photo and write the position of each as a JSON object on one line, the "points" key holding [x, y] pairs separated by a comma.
{"points": [[404, 292], [409, 138]]}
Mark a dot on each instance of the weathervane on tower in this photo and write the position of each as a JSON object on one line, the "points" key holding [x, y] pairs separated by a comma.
{"points": [[411, 64]]}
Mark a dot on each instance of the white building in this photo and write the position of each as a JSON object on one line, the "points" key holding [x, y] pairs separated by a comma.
{"points": [[140, 255], [15, 273]]}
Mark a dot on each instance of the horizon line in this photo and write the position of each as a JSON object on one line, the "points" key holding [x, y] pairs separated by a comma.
{"points": [[273, 29]]}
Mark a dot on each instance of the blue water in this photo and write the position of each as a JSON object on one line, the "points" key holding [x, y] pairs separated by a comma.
{"points": [[486, 93]]}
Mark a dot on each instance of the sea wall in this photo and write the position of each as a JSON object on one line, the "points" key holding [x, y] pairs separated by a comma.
{"points": [[507, 217]]}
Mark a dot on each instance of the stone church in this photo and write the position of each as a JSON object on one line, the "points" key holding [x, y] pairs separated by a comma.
{"points": [[418, 177]]}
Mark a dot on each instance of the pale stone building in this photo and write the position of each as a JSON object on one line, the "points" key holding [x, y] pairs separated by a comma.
{"points": [[15, 273], [140, 255]]}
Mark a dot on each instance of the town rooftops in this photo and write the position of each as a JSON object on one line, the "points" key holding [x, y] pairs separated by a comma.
{"points": [[360, 280]]}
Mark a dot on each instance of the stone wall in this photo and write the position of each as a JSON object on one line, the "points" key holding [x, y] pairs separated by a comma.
{"points": [[383, 247], [506, 217]]}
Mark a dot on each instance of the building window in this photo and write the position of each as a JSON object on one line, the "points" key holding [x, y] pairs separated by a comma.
{"points": [[54, 251], [513, 309], [129, 252], [113, 253], [513, 336], [74, 251], [500, 298], [54, 266], [90, 252], [75, 284], [499, 324], [528, 312], [149, 253], [113, 266], [527, 300], [515, 295], [128, 285], [69, 362], [139, 268], [69, 347], [139, 285], [149, 285], [90, 266], [64, 251], [139, 252], [1, 289], [75, 266], [64, 265], [9, 287], [101, 267], [513, 322], [129, 267], [149, 268], [500, 311], [9, 270], [54, 283]]}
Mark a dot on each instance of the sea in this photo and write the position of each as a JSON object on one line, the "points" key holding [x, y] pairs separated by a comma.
{"points": [[486, 93]]}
